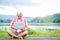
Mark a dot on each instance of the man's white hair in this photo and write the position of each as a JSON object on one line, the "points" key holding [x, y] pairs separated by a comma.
{"points": [[18, 13]]}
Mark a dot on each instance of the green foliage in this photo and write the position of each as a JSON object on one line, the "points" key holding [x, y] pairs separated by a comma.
{"points": [[3, 33], [31, 32], [48, 19], [57, 15], [37, 20], [5, 21], [41, 32], [55, 18]]}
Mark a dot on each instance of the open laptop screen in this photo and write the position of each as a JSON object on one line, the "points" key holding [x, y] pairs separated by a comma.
{"points": [[18, 25]]}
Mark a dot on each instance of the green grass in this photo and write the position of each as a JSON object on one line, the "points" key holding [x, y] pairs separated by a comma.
{"points": [[44, 32], [40, 32], [3, 33]]}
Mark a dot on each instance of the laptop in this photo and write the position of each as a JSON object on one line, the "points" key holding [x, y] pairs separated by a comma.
{"points": [[18, 25]]}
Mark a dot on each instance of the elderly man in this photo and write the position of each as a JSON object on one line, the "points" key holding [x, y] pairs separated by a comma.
{"points": [[13, 32]]}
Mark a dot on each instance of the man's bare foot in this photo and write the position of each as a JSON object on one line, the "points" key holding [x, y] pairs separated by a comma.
{"points": [[15, 36], [20, 37]]}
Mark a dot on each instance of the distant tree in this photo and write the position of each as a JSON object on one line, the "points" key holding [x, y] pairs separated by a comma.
{"points": [[37, 20], [56, 18], [48, 19], [5, 21], [1, 20]]}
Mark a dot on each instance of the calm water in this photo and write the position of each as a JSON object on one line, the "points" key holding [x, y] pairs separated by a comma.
{"points": [[44, 27], [35, 27]]}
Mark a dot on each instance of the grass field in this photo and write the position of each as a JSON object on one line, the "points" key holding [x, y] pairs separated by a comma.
{"points": [[43, 32], [40, 32]]}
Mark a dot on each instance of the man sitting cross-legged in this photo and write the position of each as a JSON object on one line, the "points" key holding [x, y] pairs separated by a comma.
{"points": [[14, 32]]}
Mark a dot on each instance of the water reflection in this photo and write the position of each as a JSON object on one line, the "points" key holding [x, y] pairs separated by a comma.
{"points": [[34, 27], [44, 27]]}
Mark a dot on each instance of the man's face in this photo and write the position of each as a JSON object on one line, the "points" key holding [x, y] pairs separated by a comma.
{"points": [[19, 15]]}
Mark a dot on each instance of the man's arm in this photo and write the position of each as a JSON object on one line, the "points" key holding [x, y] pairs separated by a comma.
{"points": [[12, 27], [26, 25], [12, 24]]}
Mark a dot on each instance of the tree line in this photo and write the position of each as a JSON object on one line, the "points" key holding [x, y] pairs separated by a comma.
{"points": [[55, 18]]}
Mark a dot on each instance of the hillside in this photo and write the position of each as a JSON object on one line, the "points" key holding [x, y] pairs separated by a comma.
{"points": [[10, 17]]}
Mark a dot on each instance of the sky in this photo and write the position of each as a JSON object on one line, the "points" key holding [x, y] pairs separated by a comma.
{"points": [[32, 8]]}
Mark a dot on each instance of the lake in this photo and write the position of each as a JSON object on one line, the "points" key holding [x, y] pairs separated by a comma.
{"points": [[34, 27], [44, 27]]}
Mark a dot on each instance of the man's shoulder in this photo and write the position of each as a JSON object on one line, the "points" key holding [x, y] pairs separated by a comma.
{"points": [[14, 18], [24, 18]]}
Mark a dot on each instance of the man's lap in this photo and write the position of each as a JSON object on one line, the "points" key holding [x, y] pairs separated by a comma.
{"points": [[15, 32]]}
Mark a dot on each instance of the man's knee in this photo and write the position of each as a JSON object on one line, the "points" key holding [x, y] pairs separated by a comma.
{"points": [[8, 30], [26, 32]]}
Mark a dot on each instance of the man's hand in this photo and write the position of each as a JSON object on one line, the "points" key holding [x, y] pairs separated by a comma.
{"points": [[12, 27], [23, 29]]}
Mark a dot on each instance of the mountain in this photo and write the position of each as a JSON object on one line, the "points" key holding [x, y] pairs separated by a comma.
{"points": [[5, 17], [10, 17]]}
